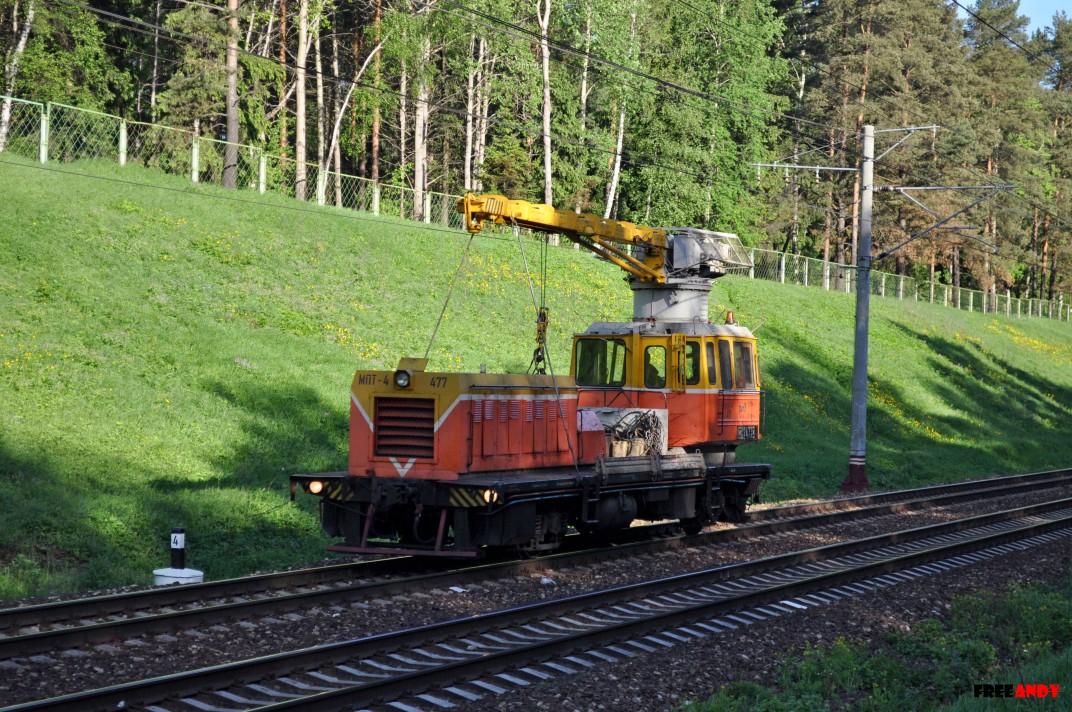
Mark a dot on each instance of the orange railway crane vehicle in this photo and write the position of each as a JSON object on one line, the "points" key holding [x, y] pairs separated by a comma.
{"points": [[645, 425]]}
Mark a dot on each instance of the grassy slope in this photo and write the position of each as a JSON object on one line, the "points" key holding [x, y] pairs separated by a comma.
{"points": [[167, 359]]}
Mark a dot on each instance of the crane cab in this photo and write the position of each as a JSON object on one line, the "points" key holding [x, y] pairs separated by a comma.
{"points": [[702, 381]]}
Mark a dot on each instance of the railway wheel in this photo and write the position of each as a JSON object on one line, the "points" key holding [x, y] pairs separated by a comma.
{"points": [[733, 507], [692, 526]]}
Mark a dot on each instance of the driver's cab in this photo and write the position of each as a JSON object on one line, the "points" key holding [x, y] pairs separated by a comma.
{"points": [[674, 362], [703, 384]]}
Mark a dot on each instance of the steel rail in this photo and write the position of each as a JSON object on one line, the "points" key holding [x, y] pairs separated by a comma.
{"points": [[918, 492], [73, 636], [250, 671]]}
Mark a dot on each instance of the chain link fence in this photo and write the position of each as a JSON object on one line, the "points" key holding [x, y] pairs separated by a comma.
{"points": [[77, 134], [57, 132], [160, 147], [20, 126]]}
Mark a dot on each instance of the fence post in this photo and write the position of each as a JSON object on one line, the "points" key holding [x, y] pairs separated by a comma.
{"points": [[985, 295], [1008, 303], [42, 146], [826, 276], [427, 207], [195, 159], [375, 198], [848, 280], [807, 261], [945, 299], [321, 186], [971, 300], [900, 287], [752, 267], [881, 285], [122, 142], [262, 172]]}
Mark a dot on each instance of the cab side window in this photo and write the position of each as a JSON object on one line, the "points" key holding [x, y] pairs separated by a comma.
{"points": [[601, 362], [726, 364], [742, 366], [692, 363], [712, 364], [655, 367]]}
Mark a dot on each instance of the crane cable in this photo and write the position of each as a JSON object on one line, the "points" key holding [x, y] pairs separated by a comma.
{"points": [[450, 291], [542, 329]]}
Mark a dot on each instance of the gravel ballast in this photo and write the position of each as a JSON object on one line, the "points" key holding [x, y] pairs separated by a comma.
{"points": [[686, 671]]}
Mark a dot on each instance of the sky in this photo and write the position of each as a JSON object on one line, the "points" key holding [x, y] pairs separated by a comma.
{"points": [[1041, 12]]}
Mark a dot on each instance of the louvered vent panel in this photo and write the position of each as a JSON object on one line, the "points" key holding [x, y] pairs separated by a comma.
{"points": [[405, 427]]}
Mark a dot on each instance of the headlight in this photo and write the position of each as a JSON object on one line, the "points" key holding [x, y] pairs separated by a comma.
{"points": [[315, 487], [402, 379], [490, 496]]}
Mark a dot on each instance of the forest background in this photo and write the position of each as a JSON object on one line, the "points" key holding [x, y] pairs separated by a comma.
{"points": [[654, 111]]}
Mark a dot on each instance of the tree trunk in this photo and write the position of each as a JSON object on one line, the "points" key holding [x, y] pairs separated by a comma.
{"points": [[1046, 275], [357, 48], [1053, 253], [543, 16], [1036, 279], [612, 185], [444, 182], [300, 153], [11, 73], [333, 147], [267, 44], [282, 108], [336, 103], [155, 80], [230, 149], [403, 90], [483, 119], [420, 134], [933, 256], [470, 112], [584, 102], [321, 107], [376, 105], [249, 29], [956, 273]]}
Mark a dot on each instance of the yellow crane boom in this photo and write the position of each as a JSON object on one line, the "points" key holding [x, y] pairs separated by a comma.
{"points": [[600, 235]]}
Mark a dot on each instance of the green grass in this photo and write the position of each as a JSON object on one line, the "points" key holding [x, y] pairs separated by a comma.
{"points": [[1021, 635], [169, 355]]}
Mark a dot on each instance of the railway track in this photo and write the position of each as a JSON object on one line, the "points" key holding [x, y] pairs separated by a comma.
{"points": [[68, 624], [448, 663]]}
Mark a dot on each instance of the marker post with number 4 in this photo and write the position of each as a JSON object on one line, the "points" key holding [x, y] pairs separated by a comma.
{"points": [[178, 573]]}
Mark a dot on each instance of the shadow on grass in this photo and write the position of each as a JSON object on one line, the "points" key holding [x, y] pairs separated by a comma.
{"points": [[32, 505], [1010, 419], [287, 430], [99, 518], [807, 421], [995, 418]]}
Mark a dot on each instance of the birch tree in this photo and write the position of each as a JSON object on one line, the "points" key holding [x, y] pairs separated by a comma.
{"points": [[11, 67], [543, 18], [230, 157]]}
